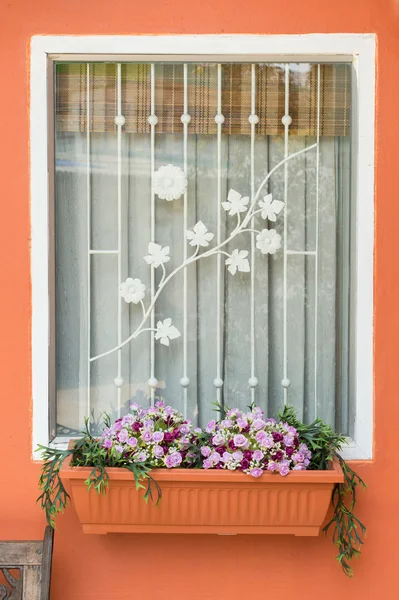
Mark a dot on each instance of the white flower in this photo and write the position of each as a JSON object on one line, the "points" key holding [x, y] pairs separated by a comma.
{"points": [[157, 255], [268, 241], [235, 203], [238, 260], [199, 236], [270, 207], [132, 290], [166, 331], [170, 182]]}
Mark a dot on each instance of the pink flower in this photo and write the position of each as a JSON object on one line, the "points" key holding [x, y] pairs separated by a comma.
{"points": [[217, 439], [146, 436], [227, 457], [141, 457], [239, 440], [211, 426], [158, 451], [123, 436], [272, 466], [215, 457], [242, 423], [119, 449], [205, 451], [258, 424], [207, 464], [184, 429], [299, 468], [258, 455], [107, 443], [238, 455], [173, 460], [132, 442], [158, 436], [256, 472], [284, 468]]}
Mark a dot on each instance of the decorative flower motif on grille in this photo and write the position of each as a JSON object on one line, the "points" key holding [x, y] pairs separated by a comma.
{"points": [[169, 182], [157, 255], [132, 290], [235, 203], [270, 208], [166, 331], [238, 262], [268, 241], [199, 235]]}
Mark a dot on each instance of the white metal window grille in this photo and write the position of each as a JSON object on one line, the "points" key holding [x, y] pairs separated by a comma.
{"points": [[274, 332]]}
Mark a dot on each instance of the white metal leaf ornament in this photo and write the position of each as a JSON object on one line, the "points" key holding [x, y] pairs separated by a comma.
{"points": [[235, 203], [169, 183], [157, 255], [238, 262], [166, 331], [132, 290], [199, 235], [268, 241], [270, 208]]}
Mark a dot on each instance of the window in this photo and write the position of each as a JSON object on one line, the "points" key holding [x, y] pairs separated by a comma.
{"points": [[162, 160]]}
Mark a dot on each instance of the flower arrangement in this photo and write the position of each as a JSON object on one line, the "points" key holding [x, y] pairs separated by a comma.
{"points": [[160, 437], [253, 444]]}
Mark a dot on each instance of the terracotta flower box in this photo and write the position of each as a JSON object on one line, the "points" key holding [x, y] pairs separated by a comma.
{"points": [[206, 501]]}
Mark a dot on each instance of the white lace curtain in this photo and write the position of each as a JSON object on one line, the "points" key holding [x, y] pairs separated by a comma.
{"points": [[71, 264]]}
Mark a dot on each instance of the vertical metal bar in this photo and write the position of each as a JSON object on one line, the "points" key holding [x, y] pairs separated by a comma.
{"points": [[88, 219], [185, 382], [286, 122], [218, 382], [316, 302], [119, 299], [153, 123], [253, 119]]}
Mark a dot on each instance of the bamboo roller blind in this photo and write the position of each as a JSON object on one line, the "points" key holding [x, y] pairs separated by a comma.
{"points": [[335, 99]]}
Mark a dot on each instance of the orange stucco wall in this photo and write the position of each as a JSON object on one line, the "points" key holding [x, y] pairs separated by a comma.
{"points": [[195, 567]]}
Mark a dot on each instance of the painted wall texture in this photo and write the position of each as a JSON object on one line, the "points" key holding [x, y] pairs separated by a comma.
{"points": [[195, 567]]}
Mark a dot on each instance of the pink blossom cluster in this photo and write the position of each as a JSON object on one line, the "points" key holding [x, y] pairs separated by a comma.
{"points": [[158, 436], [253, 444]]}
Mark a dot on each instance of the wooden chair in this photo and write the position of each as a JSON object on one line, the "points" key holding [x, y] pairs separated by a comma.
{"points": [[33, 561]]}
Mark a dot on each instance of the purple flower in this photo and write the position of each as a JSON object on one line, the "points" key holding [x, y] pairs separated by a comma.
{"points": [[123, 436], [127, 420], [258, 424], [242, 423], [160, 404], [238, 455], [146, 436], [168, 437], [217, 439], [284, 468], [258, 455], [288, 440], [207, 464], [132, 442], [158, 451], [272, 466], [245, 464], [220, 450], [136, 426], [158, 436], [215, 457], [184, 429], [239, 440], [277, 437], [231, 445], [117, 425], [256, 472], [141, 457], [227, 457], [298, 457], [279, 455], [205, 451], [107, 443], [173, 460], [211, 426], [119, 449], [248, 454], [289, 451]]}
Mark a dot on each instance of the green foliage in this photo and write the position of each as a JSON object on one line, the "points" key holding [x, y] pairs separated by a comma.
{"points": [[87, 452], [348, 531]]}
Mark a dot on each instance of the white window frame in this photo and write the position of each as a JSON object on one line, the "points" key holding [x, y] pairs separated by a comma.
{"points": [[358, 48]]}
